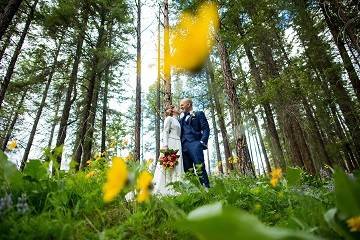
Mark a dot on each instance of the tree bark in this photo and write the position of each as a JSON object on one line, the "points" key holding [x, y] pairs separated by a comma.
{"points": [[158, 104], [8, 36], [40, 109], [216, 132], [221, 120], [138, 84], [91, 89], [105, 96], [10, 69], [167, 67], [56, 118], [13, 121], [69, 99], [90, 127], [7, 15], [279, 159], [239, 131], [340, 43], [315, 46]]}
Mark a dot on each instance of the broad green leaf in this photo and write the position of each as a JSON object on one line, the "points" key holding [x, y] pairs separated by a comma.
{"points": [[9, 173], [293, 176], [213, 222], [36, 170], [334, 223], [347, 192]]}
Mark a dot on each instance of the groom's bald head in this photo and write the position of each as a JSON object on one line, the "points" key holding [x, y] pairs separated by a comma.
{"points": [[186, 104]]}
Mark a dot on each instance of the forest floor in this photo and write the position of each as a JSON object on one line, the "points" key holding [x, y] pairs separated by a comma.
{"points": [[70, 206]]}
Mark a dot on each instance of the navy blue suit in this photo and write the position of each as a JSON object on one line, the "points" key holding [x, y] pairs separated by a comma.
{"points": [[194, 138]]}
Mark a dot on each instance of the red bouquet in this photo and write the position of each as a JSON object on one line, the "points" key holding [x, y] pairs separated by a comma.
{"points": [[169, 159]]}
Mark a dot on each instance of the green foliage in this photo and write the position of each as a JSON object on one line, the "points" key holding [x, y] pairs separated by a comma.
{"points": [[347, 193], [214, 222], [70, 206]]}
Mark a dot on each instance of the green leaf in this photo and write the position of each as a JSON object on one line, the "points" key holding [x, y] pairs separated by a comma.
{"points": [[9, 174], [213, 222], [293, 176], [332, 220], [36, 170], [347, 193]]}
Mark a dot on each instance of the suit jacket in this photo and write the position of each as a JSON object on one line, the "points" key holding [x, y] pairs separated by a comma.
{"points": [[200, 130]]}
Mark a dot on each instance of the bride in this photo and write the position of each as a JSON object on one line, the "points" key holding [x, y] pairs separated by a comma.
{"points": [[171, 140]]}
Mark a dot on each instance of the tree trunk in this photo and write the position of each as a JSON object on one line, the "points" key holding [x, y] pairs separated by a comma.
{"points": [[289, 117], [340, 43], [220, 114], [279, 159], [347, 26], [167, 67], [89, 132], [8, 35], [10, 69], [7, 15], [158, 105], [91, 90], [325, 65], [13, 121], [39, 111], [71, 85], [138, 84], [56, 118], [253, 116], [216, 132], [105, 96], [239, 131]]}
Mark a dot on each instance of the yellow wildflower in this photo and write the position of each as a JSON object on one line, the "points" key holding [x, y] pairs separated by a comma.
{"points": [[193, 37], [144, 180], [116, 179], [276, 173], [143, 185], [354, 224], [274, 181], [11, 145], [88, 162], [90, 174]]}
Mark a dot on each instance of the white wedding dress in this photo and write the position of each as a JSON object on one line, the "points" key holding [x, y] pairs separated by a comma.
{"points": [[162, 177]]}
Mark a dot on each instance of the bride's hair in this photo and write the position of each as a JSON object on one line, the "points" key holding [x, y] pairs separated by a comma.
{"points": [[169, 110]]}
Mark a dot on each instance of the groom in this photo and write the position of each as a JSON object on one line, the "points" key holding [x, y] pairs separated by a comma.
{"points": [[194, 138]]}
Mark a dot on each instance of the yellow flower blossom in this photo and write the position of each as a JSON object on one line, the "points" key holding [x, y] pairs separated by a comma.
{"points": [[143, 196], [274, 182], [144, 180], [354, 224], [143, 184], [116, 179], [88, 162], [11, 145], [276, 173], [90, 174], [193, 37]]}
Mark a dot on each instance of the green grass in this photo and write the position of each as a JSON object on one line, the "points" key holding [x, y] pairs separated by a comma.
{"points": [[70, 206]]}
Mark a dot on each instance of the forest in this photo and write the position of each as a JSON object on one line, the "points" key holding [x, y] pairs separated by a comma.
{"points": [[84, 86]]}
